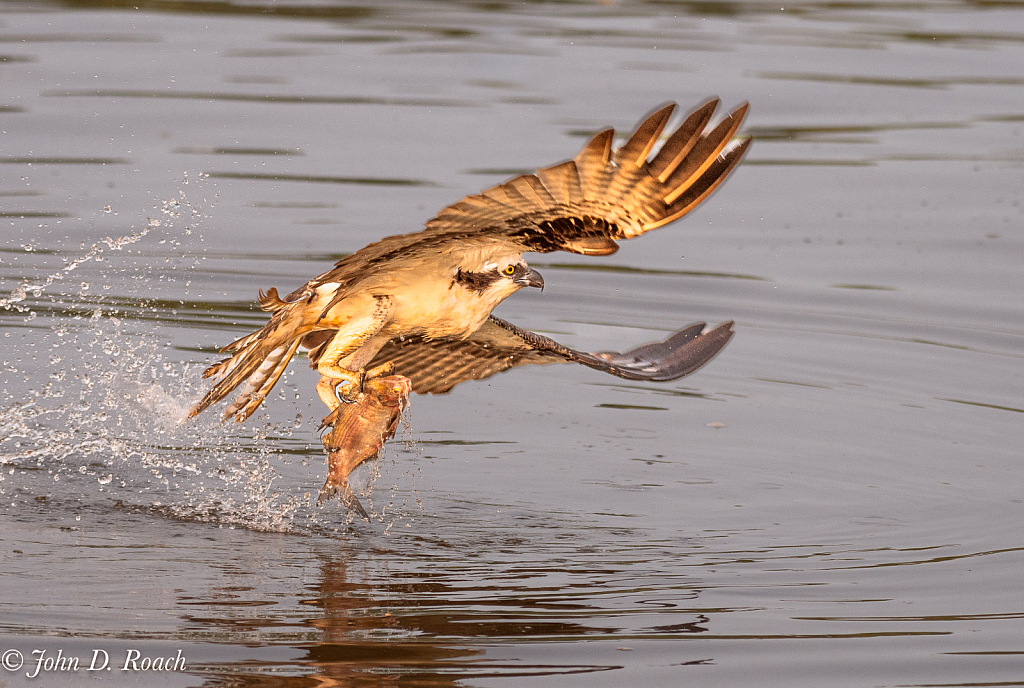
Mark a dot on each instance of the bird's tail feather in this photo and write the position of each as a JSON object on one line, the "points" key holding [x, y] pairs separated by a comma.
{"points": [[233, 371], [259, 384], [239, 344], [259, 362]]}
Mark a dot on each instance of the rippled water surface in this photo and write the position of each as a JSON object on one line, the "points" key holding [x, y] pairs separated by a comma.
{"points": [[835, 500]]}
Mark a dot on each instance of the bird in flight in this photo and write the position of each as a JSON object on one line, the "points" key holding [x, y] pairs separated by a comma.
{"points": [[420, 304]]}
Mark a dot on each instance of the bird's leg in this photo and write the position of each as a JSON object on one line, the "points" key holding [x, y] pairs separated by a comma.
{"points": [[340, 384], [329, 389], [325, 390]]}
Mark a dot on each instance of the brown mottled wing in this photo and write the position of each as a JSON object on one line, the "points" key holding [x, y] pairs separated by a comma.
{"points": [[435, 366], [585, 204], [582, 205]]}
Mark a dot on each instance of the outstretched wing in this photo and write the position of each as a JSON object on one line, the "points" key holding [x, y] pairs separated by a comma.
{"points": [[437, 365], [582, 205]]}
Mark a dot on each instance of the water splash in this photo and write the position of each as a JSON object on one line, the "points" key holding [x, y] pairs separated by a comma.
{"points": [[108, 422], [36, 287], [95, 415], [95, 404]]}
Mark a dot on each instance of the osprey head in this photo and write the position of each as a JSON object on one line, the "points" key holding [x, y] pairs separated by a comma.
{"points": [[522, 275], [504, 277]]}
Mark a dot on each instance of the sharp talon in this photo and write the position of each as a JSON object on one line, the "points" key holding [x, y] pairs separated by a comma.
{"points": [[341, 396]]}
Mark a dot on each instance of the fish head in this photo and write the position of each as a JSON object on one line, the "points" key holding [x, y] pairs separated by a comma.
{"points": [[393, 390]]}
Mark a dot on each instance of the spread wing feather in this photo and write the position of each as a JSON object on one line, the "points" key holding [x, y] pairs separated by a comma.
{"points": [[613, 195], [582, 205], [435, 366]]}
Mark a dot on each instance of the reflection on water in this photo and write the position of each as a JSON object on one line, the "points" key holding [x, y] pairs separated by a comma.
{"points": [[355, 635], [835, 499]]}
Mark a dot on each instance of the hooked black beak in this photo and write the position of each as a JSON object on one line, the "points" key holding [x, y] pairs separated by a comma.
{"points": [[531, 278]]}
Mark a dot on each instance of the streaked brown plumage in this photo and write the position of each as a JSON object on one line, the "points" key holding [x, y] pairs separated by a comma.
{"points": [[420, 303], [437, 365]]}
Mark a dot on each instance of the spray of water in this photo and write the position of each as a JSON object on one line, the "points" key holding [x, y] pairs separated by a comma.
{"points": [[95, 402], [35, 287]]}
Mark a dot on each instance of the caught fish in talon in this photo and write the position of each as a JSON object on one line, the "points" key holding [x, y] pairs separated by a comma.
{"points": [[419, 305], [343, 396], [358, 431]]}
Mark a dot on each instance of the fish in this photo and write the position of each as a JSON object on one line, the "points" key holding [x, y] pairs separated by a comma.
{"points": [[358, 431]]}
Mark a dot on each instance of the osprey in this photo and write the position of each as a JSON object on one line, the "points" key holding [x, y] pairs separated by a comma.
{"points": [[420, 304]]}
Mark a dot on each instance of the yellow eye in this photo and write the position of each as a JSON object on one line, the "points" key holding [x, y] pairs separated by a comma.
{"points": [[510, 270]]}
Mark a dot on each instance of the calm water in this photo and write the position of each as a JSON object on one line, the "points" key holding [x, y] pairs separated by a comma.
{"points": [[835, 500]]}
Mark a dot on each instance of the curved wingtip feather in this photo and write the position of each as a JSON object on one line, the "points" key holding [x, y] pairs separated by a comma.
{"points": [[639, 145], [598, 151], [678, 356]]}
